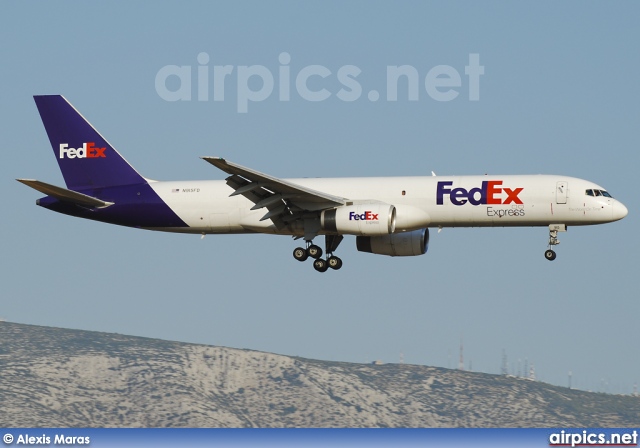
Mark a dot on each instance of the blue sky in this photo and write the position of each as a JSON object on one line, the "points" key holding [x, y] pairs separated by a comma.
{"points": [[559, 95]]}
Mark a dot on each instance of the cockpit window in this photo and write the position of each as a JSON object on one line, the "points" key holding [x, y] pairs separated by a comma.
{"points": [[594, 192]]}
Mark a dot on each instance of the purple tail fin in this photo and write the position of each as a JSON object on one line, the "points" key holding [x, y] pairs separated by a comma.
{"points": [[86, 159]]}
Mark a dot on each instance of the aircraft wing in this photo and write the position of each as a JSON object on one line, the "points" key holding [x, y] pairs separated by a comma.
{"points": [[62, 194], [284, 200]]}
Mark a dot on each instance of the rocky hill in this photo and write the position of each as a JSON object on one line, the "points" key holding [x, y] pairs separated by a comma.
{"points": [[51, 377]]}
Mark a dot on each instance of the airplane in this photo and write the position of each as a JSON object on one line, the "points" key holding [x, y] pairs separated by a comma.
{"points": [[387, 215]]}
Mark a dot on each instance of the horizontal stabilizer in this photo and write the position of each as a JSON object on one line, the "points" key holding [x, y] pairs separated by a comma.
{"points": [[62, 194]]}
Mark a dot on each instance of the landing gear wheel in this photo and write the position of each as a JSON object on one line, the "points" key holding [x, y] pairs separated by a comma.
{"points": [[549, 254], [320, 265], [334, 262], [314, 251], [300, 254]]}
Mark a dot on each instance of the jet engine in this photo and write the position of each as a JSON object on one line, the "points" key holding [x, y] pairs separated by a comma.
{"points": [[405, 244], [370, 219]]}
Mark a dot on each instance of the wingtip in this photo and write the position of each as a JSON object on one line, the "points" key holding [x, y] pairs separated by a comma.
{"points": [[213, 160]]}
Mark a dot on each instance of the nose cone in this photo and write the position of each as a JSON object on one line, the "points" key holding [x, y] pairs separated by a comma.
{"points": [[619, 210]]}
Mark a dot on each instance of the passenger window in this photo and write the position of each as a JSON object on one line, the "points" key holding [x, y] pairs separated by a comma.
{"points": [[589, 192]]}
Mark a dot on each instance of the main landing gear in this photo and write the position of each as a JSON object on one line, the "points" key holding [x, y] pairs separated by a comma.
{"points": [[315, 252], [550, 254]]}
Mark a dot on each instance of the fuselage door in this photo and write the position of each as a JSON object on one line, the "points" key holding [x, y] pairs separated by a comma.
{"points": [[561, 192]]}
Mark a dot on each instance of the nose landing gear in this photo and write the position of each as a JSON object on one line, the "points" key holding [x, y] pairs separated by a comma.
{"points": [[550, 254]]}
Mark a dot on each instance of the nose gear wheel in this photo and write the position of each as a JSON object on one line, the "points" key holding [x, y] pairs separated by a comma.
{"points": [[550, 254]]}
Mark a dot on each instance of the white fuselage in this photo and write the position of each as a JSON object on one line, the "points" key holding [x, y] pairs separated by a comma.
{"points": [[434, 201]]}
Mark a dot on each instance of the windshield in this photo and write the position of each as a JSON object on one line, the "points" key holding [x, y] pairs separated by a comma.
{"points": [[594, 192]]}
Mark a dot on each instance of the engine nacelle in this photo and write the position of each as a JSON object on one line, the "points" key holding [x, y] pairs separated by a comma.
{"points": [[404, 244], [360, 219], [409, 217]]}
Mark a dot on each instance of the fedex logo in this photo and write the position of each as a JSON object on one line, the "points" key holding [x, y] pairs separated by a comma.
{"points": [[366, 216], [489, 193], [86, 151]]}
